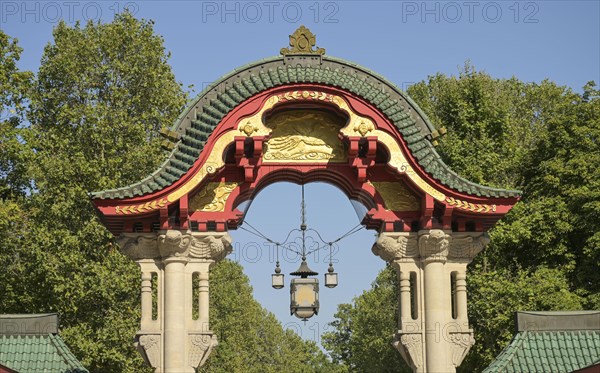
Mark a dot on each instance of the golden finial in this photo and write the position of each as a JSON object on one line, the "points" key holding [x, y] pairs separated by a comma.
{"points": [[302, 41]]}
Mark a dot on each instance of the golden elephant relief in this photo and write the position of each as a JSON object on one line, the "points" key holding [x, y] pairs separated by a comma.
{"points": [[304, 136]]}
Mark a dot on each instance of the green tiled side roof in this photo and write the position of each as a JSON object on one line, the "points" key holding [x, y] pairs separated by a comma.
{"points": [[548, 351], [202, 116], [38, 354]]}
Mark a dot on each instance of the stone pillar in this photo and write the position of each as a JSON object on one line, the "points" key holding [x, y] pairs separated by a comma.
{"points": [[433, 249], [173, 342], [430, 337]]}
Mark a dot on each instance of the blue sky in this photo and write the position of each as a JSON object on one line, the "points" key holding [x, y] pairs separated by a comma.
{"points": [[405, 41]]}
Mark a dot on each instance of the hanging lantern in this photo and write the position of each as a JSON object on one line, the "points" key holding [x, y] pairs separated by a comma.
{"points": [[277, 278], [304, 292], [331, 278]]}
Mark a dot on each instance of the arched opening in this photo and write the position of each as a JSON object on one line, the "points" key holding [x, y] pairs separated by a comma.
{"points": [[332, 213]]}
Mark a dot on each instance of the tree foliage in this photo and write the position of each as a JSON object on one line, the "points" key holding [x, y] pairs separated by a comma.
{"points": [[545, 254], [250, 338], [14, 85], [363, 331]]}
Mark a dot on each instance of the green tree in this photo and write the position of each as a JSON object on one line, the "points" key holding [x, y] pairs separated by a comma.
{"points": [[363, 331], [99, 98], [14, 85]]}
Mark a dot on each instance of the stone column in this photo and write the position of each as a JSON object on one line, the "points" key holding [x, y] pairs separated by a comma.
{"points": [[400, 249], [174, 342], [429, 338], [433, 249]]}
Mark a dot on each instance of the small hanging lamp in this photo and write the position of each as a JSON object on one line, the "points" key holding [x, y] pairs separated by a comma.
{"points": [[277, 279]]}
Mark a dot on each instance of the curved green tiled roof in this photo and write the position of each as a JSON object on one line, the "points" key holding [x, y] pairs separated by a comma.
{"points": [[548, 351], [200, 118], [551, 341], [38, 354]]}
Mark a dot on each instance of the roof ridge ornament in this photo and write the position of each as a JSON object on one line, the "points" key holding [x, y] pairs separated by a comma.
{"points": [[302, 41]]}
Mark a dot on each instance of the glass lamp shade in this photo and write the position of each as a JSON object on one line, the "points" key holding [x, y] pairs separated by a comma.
{"points": [[277, 280], [331, 279], [304, 294]]}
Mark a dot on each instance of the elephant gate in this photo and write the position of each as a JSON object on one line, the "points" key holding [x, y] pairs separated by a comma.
{"points": [[302, 117]]}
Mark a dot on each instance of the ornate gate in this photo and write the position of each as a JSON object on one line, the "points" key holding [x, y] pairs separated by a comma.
{"points": [[304, 117]]}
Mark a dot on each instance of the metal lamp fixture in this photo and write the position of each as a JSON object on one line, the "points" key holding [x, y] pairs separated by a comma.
{"points": [[277, 279], [331, 278], [304, 290]]}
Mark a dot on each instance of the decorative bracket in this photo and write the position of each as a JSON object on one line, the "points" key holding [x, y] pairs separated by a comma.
{"points": [[148, 345], [410, 347], [460, 343], [200, 346]]}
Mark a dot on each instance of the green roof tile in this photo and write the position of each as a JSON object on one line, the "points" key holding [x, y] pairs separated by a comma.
{"points": [[557, 342], [217, 100], [38, 353]]}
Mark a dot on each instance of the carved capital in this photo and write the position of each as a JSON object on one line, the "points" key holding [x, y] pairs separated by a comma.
{"points": [[390, 247], [210, 246], [460, 344], [148, 346], [173, 243], [434, 245], [466, 245], [199, 348], [410, 346], [139, 245]]}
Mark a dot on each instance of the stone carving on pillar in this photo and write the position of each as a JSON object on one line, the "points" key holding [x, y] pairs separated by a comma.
{"points": [[466, 246], [200, 347], [139, 245], [149, 347], [410, 346], [434, 245], [460, 344], [173, 243], [389, 248], [210, 247]]}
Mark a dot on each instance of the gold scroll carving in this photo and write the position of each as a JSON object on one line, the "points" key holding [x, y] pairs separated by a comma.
{"points": [[396, 196], [212, 197]]}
